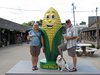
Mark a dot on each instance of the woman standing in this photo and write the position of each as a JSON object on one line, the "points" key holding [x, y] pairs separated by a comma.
{"points": [[36, 40]]}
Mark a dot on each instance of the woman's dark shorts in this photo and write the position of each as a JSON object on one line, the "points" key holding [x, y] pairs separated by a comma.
{"points": [[35, 50]]}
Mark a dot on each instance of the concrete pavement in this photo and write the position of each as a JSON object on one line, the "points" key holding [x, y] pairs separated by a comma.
{"points": [[11, 55]]}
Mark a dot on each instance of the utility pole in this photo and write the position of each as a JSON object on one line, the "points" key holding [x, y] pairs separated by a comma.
{"points": [[73, 12], [97, 29]]}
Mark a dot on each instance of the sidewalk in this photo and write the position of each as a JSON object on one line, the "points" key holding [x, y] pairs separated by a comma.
{"points": [[9, 56]]}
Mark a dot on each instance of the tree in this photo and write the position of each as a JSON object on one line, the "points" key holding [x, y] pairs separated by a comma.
{"points": [[83, 23], [40, 22], [30, 23], [24, 24]]}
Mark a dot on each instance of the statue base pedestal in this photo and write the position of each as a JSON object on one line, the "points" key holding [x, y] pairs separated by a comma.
{"points": [[48, 65], [25, 68]]}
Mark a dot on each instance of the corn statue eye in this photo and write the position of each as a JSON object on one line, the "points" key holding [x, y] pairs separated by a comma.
{"points": [[53, 16], [47, 16]]}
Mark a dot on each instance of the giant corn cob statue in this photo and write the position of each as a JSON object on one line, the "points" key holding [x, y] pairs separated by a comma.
{"points": [[52, 30]]}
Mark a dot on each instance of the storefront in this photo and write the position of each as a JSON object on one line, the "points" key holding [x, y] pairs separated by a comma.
{"points": [[9, 31], [89, 34]]}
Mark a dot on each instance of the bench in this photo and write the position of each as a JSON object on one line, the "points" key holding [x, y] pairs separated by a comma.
{"points": [[90, 51]]}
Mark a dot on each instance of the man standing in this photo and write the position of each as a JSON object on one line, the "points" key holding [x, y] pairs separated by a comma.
{"points": [[36, 40], [70, 37]]}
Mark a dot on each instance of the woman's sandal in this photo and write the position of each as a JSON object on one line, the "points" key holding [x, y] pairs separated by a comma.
{"points": [[36, 68], [33, 68], [73, 70]]}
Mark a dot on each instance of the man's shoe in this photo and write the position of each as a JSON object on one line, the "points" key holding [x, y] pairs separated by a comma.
{"points": [[73, 70]]}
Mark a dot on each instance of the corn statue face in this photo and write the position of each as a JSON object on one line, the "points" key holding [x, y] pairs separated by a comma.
{"points": [[52, 34]]}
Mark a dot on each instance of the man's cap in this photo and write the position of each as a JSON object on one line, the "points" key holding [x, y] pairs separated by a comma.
{"points": [[68, 21]]}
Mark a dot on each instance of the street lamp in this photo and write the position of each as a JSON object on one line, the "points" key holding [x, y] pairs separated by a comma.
{"points": [[97, 29], [74, 12]]}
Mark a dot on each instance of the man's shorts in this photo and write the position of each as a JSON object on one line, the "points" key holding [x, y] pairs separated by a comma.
{"points": [[35, 50], [71, 51]]}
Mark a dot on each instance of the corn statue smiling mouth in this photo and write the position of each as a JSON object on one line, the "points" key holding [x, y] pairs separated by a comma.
{"points": [[52, 34]]}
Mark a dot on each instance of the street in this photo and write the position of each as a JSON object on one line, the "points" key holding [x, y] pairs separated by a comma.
{"points": [[11, 55]]}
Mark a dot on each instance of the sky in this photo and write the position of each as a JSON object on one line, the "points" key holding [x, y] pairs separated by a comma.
{"points": [[20, 11]]}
